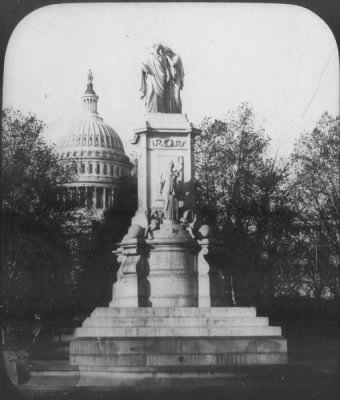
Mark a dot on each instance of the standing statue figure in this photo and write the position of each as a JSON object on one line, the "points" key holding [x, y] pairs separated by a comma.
{"points": [[155, 79], [90, 76], [174, 103], [162, 80], [169, 191]]}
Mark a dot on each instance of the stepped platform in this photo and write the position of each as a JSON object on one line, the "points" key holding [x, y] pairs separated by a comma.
{"points": [[121, 345]]}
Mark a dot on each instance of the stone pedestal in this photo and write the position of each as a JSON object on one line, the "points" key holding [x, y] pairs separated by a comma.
{"points": [[158, 272], [162, 322], [172, 268], [160, 139]]}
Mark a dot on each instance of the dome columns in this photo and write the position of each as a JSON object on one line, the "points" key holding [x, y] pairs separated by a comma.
{"points": [[90, 103], [98, 197]]}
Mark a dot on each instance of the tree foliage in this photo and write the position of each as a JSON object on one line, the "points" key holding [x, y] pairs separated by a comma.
{"points": [[30, 169], [35, 267], [34, 259], [316, 161], [243, 188], [279, 222], [315, 193]]}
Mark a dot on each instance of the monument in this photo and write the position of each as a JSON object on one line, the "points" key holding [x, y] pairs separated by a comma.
{"points": [[168, 318]]}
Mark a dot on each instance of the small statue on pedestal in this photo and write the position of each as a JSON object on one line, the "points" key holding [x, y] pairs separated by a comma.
{"points": [[154, 225], [189, 222], [169, 191]]}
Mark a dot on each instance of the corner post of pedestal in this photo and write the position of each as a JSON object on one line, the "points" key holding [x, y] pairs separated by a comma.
{"points": [[140, 141], [125, 289], [203, 269]]}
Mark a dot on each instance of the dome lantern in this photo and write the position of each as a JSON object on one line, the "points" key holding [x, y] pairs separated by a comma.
{"points": [[90, 99]]}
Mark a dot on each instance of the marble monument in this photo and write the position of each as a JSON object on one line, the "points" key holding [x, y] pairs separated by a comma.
{"points": [[169, 316]]}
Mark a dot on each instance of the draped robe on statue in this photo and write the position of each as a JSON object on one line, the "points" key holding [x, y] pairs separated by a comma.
{"points": [[174, 103], [154, 86]]}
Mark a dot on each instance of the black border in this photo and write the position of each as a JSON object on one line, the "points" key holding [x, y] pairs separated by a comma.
{"points": [[13, 11]]}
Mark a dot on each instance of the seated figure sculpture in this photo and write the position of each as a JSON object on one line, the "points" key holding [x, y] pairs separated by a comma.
{"points": [[154, 225], [189, 222]]}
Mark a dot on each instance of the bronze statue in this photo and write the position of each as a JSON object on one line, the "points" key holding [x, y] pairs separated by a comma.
{"points": [[90, 76]]}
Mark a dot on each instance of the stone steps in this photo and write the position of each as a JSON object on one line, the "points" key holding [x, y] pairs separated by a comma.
{"points": [[126, 353], [179, 360], [50, 365], [174, 321], [176, 345], [63, 378], [154, 331], [208, 312], [180, 353], [112, 339]]}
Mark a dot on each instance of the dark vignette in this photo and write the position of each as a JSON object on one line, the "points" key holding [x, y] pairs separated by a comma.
{"points": [[13, 11]]}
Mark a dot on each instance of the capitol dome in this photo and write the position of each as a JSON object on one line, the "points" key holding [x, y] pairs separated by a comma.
{"points": [[92, 132], [95, 152]]}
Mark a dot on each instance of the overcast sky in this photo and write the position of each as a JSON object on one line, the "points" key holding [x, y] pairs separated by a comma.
{"points": [[281, 59]]}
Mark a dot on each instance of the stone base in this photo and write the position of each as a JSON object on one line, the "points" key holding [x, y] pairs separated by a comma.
{"points": [[120, 345], [166, 123], [158, 272], [176, 353], [173, 377]]}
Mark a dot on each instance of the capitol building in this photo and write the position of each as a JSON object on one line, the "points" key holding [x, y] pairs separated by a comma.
{"points": [[95, 152]]}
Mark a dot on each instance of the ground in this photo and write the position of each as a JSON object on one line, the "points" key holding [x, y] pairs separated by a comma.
{"points": [[312, 373]]}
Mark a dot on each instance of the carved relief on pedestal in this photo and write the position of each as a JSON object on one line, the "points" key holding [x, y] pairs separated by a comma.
{"points": [[169, 189]]}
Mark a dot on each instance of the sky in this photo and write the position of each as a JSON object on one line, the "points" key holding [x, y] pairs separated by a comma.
{"points": [[281, 59]]}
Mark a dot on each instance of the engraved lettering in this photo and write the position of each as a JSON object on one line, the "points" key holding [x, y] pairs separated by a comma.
{"points": [[168, 142]]}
